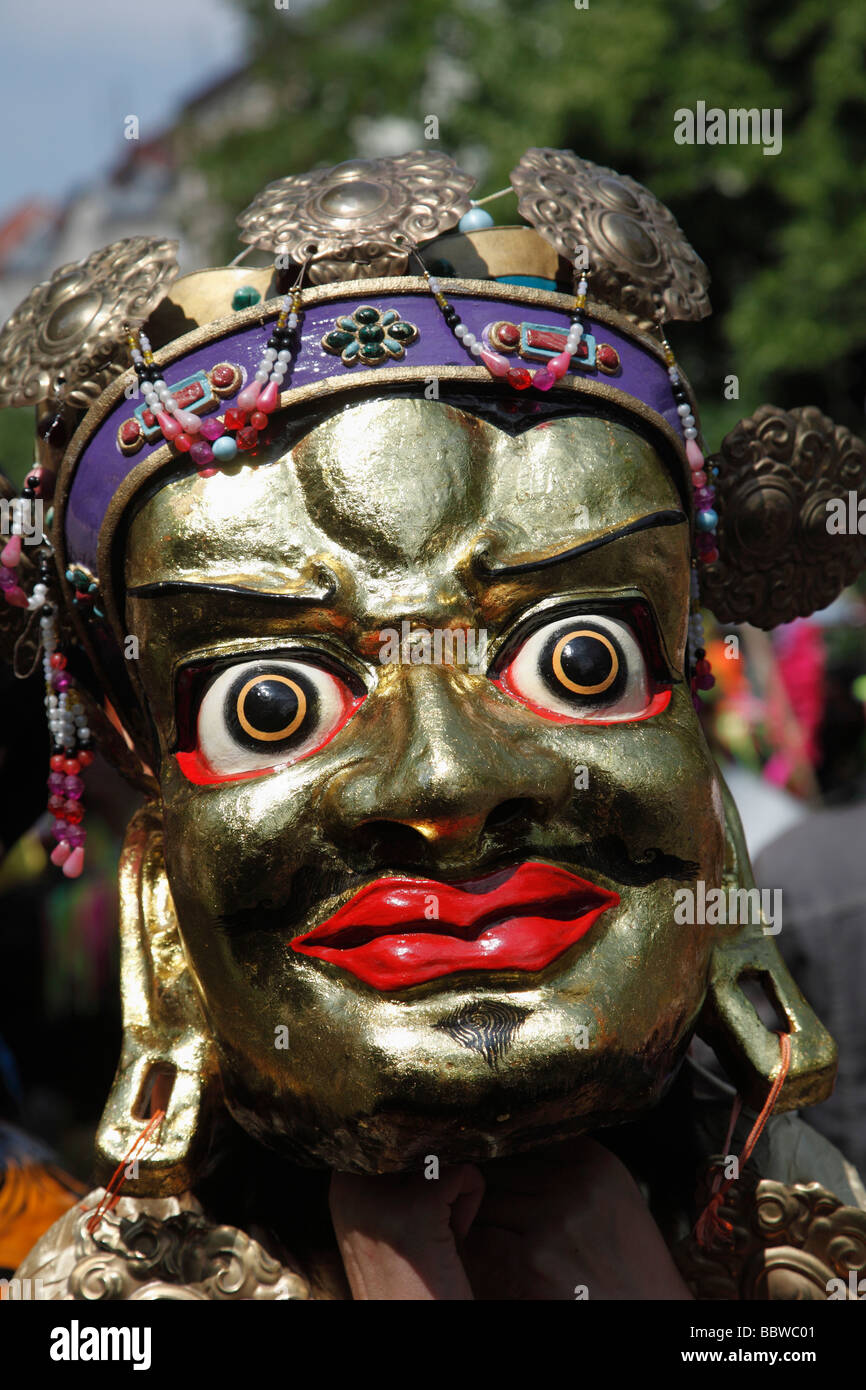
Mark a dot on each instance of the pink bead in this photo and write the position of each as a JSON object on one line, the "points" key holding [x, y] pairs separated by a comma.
{"points": [[16, 597], [495, 363], [170, 428], [11, 552], [250, 394], [543, 379], [212, 429], [268, 399], [560, 364], [189, 423], [694, 456], [201, 454], [699, 478], [75, 863], [61, 853]]}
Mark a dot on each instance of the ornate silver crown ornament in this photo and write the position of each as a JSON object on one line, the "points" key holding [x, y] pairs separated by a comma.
{"points": [[641, 262], [69, 327], [348, 220]]}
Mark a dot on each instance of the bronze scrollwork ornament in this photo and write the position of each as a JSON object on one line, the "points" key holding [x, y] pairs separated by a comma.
{"points": [[307, 546]]}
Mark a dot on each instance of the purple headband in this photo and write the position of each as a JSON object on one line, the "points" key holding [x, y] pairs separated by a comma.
{"points": [[619, 364]]}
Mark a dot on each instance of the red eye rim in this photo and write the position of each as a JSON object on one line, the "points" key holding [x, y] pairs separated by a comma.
{"points": [[657, 705], [197, 770]]}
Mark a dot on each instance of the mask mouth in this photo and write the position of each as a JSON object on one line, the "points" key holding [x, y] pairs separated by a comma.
{"points": [[398, 932]]}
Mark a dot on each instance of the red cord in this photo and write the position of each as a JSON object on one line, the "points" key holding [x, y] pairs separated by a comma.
{"points": [[111, 1196], [711, 1227]]}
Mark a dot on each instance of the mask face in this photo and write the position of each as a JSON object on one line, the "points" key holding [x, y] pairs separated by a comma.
{"points": [[431, 777]]}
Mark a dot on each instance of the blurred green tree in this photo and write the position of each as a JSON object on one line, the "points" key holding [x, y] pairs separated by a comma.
{"points": [[783, 235]]}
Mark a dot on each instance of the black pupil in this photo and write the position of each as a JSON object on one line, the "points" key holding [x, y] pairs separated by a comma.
{"points": [[586, 661], [270, 706]]}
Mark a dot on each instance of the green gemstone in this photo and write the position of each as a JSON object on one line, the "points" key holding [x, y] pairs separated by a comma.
{"points": [[371, 335], [404, 331], [245, 296], [336, 340], [372, 352], [367, 315]]}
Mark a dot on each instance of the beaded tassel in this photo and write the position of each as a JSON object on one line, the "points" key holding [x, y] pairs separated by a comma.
{"points": [[70, 739], [706, 521], [497, 364], [253, 406]]}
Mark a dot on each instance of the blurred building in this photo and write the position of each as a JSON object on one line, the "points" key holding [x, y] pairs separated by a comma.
{"points": [[151, 190]]}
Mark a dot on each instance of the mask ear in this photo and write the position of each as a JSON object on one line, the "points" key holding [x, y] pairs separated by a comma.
{"points": [[791, 499], [729, 1022], [167, 1060]]}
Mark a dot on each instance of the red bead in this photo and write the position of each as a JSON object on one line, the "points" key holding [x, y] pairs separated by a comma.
{"points": [[73, 812], [56, 804], [247, 438], [183, 442], [709, 557], [608, 356], [702, 667], [71, 766], [58, 660], [57, 762], [508, 334], [85, 757], [223, 376], [258, 420], [130, 431], [519, 378], [235, 419]]}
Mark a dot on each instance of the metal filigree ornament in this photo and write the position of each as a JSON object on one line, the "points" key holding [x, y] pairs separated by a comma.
{"points": [[350, 219], [641, 262], [69, 327]]}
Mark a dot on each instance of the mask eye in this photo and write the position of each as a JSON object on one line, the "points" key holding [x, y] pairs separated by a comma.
{"points": [[262, 714], [588, 668]]}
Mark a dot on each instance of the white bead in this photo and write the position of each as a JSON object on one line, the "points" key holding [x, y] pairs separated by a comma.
{"points": [[270, 355], [690, 433], [83, 731], [434, 284], [684, 410], [689, 420], [283, 355], [475, 348], [461, 330], [262, 375], [293, 321], [581, 286]]}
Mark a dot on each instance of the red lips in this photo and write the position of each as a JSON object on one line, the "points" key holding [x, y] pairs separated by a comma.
{"points": [[398, 932]]}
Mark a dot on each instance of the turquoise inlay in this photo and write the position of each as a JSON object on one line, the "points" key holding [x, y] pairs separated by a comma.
{"points": [[153, 431], [587, 363], [535, 282]]}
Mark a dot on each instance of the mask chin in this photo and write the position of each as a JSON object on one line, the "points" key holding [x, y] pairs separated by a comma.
{"points": [[729, 1022]]}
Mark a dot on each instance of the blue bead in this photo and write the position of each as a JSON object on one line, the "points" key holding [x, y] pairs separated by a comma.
{"points": [[708, 520], [224, 448], [474, 220]]}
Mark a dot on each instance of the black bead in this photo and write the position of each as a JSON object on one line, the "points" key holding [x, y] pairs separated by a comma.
{"points": [[451, 317]]}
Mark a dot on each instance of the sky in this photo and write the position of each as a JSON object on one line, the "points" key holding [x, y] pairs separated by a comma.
{"points": [[71, 70]]}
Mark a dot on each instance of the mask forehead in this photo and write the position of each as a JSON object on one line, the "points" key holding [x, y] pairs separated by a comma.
{"points": [[399, 493]]}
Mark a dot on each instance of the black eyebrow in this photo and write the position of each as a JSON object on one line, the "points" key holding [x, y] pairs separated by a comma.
{"points": [[643, 523], [194, 586]]}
